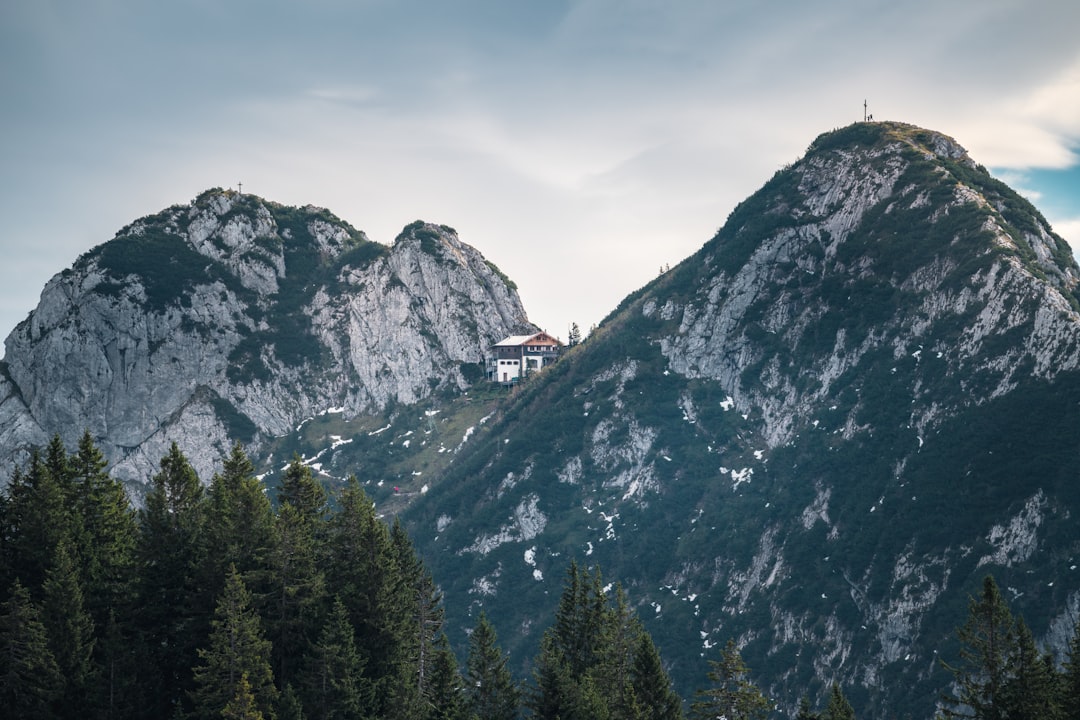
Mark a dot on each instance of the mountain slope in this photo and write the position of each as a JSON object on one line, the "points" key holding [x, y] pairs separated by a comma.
{"points": [[814, 436], [233, 318]]}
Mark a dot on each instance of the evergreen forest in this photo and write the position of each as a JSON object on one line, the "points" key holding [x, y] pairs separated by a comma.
{"points": [[217, 600]]}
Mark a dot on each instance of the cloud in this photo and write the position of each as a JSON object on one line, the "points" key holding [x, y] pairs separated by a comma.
{"points": [[578, 143]]}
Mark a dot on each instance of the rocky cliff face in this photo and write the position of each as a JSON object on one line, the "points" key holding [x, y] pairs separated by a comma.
{"points": [[815, 436], [236, 318]]}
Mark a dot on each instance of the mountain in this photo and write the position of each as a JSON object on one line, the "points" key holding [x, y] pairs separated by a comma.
{"points": [[815, 436], [236, 319]]}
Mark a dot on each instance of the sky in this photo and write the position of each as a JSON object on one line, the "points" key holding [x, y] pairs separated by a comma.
{"points": [[580, 145]]}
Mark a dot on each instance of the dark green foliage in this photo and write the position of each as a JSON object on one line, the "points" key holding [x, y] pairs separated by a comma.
{"points": [[30, 680], [173, 609], [1031, 692], [164, 261], [987, 642], [298, 587], [239, 524], [362, 571], [652, 688], [422, 616], [444, 696], [593, 662], [805, 712], [37, 521], [491, 691], [731, 694], [234, 671], [838, 708], [110, 534], [70, 630], [300, 489], [1070, 687], [333, 677]]}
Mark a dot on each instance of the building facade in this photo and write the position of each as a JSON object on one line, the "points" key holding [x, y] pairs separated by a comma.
{"points": [[517, 356]]}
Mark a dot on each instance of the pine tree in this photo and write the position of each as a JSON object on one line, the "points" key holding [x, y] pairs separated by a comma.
{"points": [[29, 678], [243, 705], [70, 631], [805, 712], [444, 698], [239, 523], [732, 694], [1031, 692], [555, 688], [423, 616], [38, 520], [173, 609], [987, 647], [334, 680], [110, 532], [596, 661], [490, 688], [574, 337], [618, 641], [297, 590], [289, 706], [838, 708], [1070, 690], [652, 686], [362, 571], [300, 489], [237, 651]]}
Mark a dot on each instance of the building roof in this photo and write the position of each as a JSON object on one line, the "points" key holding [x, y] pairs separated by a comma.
{"points": [[516, 340]]}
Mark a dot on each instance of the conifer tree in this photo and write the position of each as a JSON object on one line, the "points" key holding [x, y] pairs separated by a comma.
{"points": [[173, 609], [444, 698], [838, 708], [238, 654], [805, 712], [592, 663], [239, 522], [110, 532], [1031, 692], [333, 677], [362, 571], [300, 489], [732, 694], [614, 657], [555, 688], [987, 646], [243, 705], [70, 631], [423, 614], [290, 706], [38, 520], [652, 686], [1070, 682], [563, 688], [30, 680], [490, 688], [297, 592]]}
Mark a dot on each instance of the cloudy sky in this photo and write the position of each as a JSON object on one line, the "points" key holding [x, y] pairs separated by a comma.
{"points": [[579, 144]]}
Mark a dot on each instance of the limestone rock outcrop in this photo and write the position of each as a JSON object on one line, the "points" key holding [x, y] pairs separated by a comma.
{"points": [[237, 318]]}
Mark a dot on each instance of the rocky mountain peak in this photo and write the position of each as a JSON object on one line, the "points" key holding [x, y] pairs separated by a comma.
{"points": [[234, 318], [814, 437]]}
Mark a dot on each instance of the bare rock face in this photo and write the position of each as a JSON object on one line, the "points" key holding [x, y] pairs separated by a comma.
{"points": [[815, 436], [233, 318]]}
